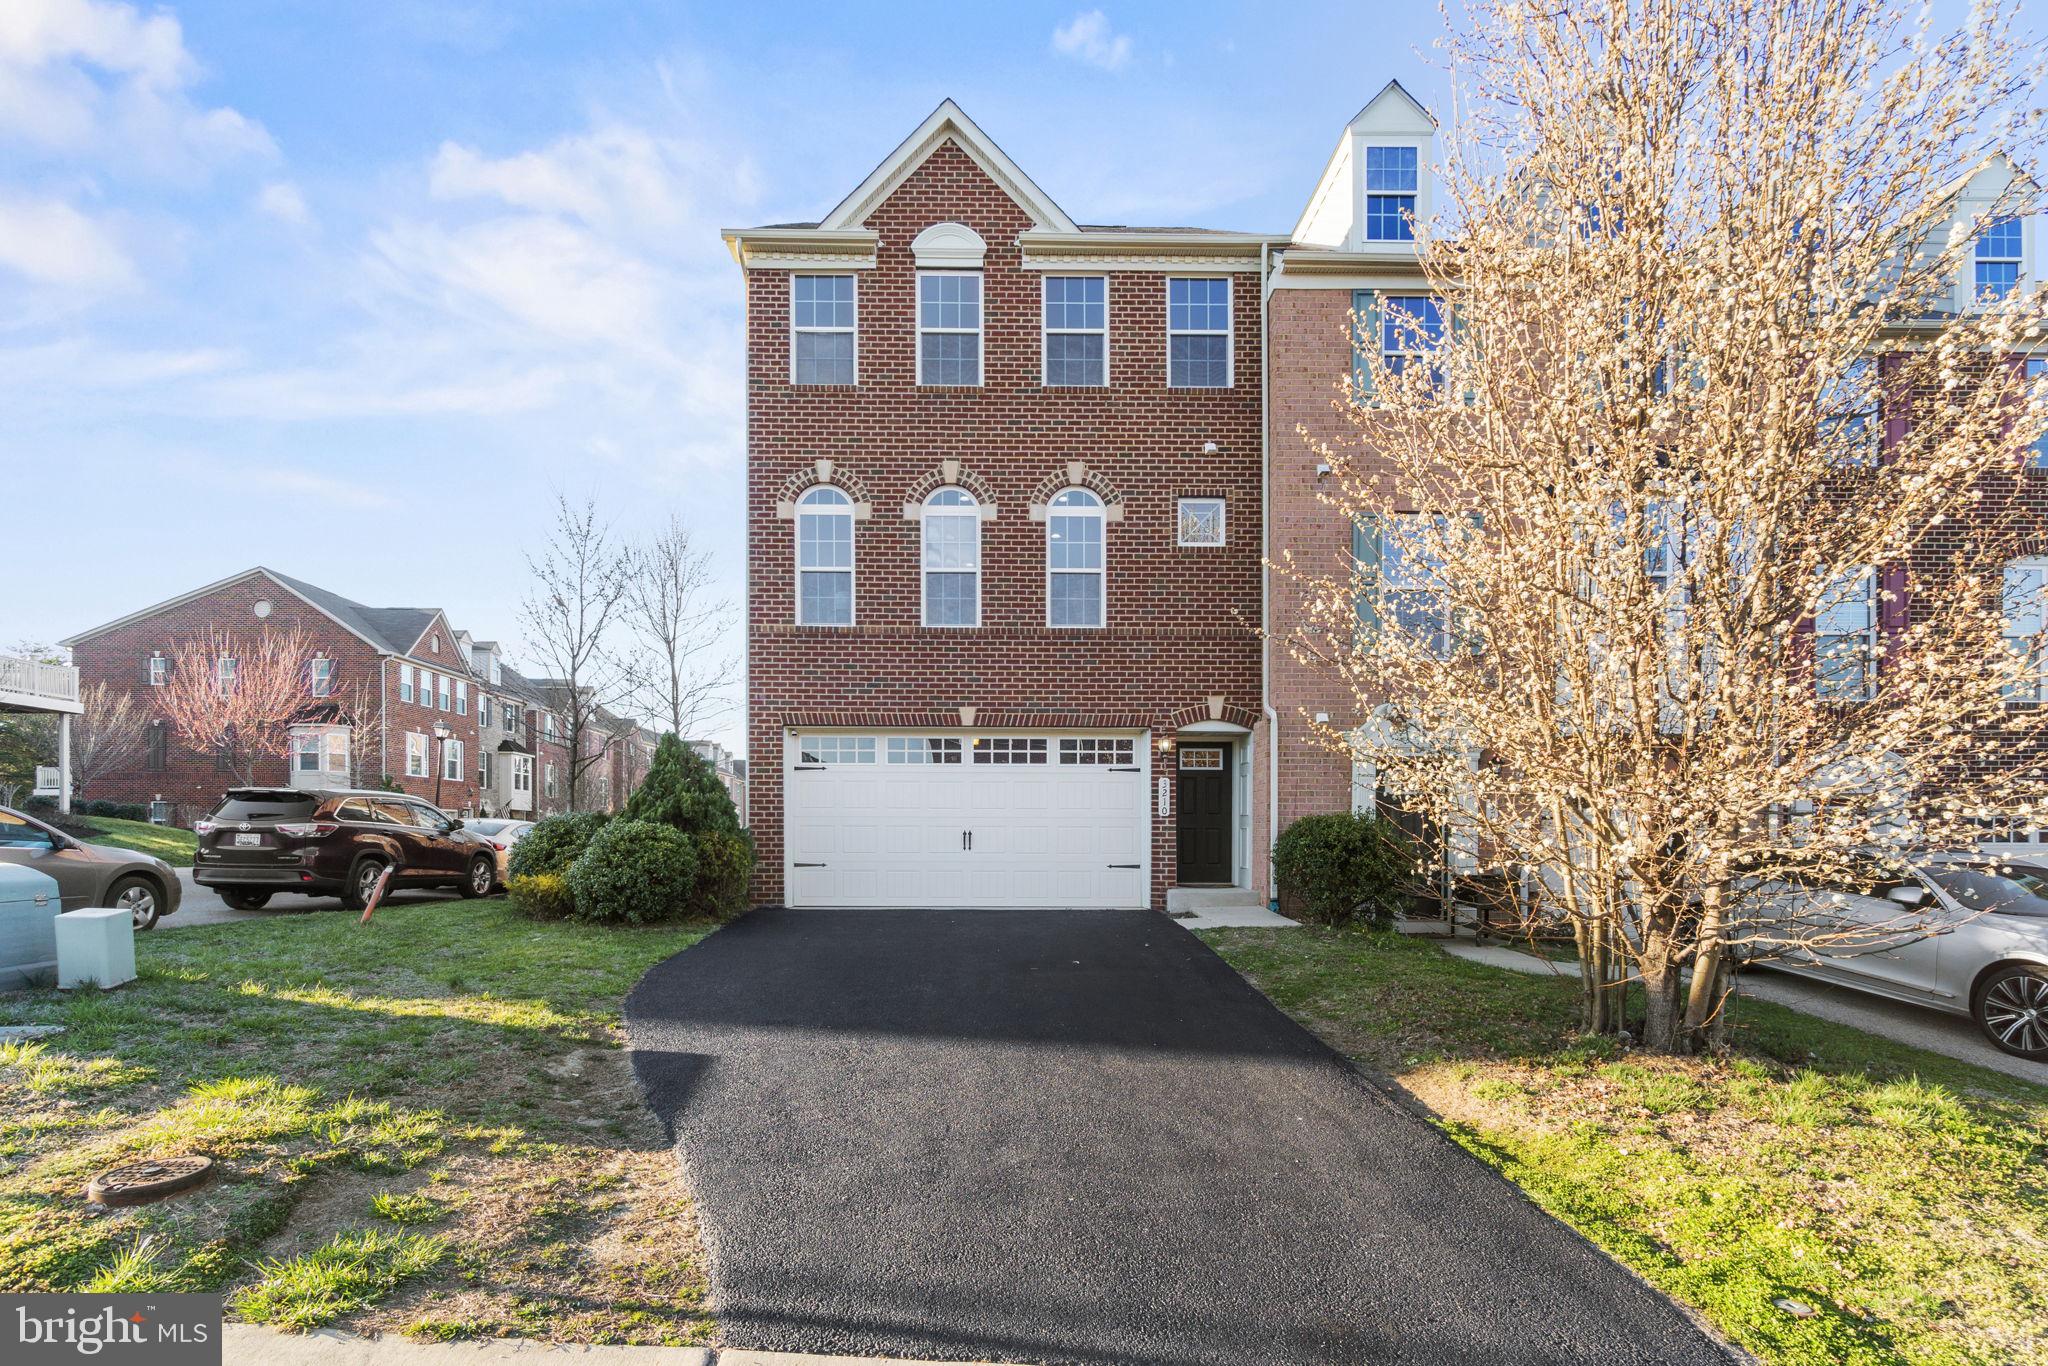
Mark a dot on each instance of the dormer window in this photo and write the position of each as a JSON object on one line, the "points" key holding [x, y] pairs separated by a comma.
{"points": [[1998, 259], [1390, 190]]}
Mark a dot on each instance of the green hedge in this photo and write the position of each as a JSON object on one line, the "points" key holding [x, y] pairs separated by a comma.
{"points": [[554, 843], [725, 863], [543, 896], [634, 873], [1339, 867]]}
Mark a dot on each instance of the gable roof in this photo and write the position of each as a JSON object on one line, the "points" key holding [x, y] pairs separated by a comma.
{"points": [[949, 122], [384, 629], [1388, 106]]}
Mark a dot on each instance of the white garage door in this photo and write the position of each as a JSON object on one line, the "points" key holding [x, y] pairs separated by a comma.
{"points": [[880, 818]]}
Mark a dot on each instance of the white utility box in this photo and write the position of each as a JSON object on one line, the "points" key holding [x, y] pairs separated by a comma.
{"points": [[95, 948], [28, 910]]}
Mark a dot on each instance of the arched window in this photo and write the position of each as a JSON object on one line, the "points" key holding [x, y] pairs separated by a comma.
{"points": [[952, 558], [2026, 626], [1073, 560], [824, 558]]}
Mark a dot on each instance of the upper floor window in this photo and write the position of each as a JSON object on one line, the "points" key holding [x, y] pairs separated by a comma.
{"points": [[160, 668], [1401, 582], [1198, 333], [322, 676], [1411, 329], [461, 698], [949, 327], [1849, 425], [446, 698], [1201, 522], [1076, 330], [824, 558], [952, 558], [1845, 637], [1390, 180], [1998, 258], [2026, 626], [1073, 560], [2037, 454], [224, 673], [821, 315]]}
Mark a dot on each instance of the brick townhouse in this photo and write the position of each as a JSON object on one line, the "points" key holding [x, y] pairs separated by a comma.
{"points": [[394, 692], [1004, 515]]}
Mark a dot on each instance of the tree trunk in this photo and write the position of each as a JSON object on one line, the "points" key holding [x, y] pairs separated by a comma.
{"points": [[1663, 1022]]}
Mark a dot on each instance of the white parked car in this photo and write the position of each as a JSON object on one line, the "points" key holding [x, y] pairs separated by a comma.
{"points": [[501, 835]]}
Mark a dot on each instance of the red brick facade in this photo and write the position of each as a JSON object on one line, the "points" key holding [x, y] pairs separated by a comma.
{"points": [[1180, 623]]}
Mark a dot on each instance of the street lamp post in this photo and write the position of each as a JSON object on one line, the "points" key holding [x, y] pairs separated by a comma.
{"points": [[440, 757]]}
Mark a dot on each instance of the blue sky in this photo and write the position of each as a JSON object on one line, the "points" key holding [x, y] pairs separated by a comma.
{"points": [[350, 290]]}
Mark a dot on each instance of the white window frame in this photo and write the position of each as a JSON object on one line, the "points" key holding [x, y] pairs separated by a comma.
{"points": [[2029, 646], [816, 496], [159, 669], [2018, 260], [444, 691], [2036, 372], [1222, 523], [451, 760], [972, 512], [1046, 332], [307, 744], [522, 773], [226, 669], [853, 330], [980, 340], [1367, 193], [461, 698], [406, 676], [337, 752], [1229, 333], [417, 761], [552, 786], [322, 679], [1860, 574], [1091, 509]]}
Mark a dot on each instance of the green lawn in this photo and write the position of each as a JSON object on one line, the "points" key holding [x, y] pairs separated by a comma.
{"points": [[167, 842], [422, 1124], [1898, 1195]]}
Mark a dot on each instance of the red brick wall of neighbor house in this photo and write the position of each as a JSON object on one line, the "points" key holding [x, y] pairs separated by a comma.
{"points": [[1179, 622], [194, 782], [1310, 357]]}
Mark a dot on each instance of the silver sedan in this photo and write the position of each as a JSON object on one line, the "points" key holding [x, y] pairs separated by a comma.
{"points": [[1965, 934], [91, 874]]}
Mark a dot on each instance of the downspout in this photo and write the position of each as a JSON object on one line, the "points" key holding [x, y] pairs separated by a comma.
{"points": [[1265, 570], [383, 718]]}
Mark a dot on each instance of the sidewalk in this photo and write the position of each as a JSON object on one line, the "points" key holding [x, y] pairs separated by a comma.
{"points": [[248, 1345]]}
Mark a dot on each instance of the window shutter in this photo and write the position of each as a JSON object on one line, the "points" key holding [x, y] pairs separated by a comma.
{"points": [[1365, 553], [1365, 335]]}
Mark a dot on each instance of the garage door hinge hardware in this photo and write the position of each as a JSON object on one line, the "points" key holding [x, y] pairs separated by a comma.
{"points": [[810, 865], [1132, 769], [1123, 865], [810, 768]]}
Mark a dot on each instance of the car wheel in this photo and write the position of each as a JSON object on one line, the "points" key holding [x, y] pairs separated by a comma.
{"points": [[483, 874], [362, 882], [139, 897], [2012, 1008], [244, 899]]}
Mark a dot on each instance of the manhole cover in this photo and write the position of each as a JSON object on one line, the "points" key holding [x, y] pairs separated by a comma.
{"points": [[138, 1183]]}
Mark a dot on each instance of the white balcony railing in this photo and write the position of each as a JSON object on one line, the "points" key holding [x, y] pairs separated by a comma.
{"points": [[27, 683]]}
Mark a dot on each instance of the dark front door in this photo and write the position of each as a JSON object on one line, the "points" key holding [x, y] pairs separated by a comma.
{"points": [[1204, 813]]}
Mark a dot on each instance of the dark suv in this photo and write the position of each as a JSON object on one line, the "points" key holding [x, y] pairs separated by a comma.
{"points": [[265, 840]]}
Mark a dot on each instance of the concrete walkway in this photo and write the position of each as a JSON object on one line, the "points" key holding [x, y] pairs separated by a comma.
{"points": [[248, 1345], [1952, 1036]]}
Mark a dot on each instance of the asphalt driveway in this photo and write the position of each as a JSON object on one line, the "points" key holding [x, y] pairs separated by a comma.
{"points": [[1079, 1136]]}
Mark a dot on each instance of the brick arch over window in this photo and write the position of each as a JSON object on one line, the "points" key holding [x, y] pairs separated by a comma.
{"points": [[1075, 475], [1213, 711], [824, 472], [949, 472]]}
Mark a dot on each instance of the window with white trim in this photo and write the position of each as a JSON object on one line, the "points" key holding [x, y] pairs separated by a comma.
{"points": [[1391, 179], [824, 558], [1198, 333], [1074, 575], [1076, 318], [405, 677], [224, 669], [1411, 586], [823, 337], [322, 675], [836, 749], [1850, 424], [1200, 522], [321, 751], [2037, 454], [415, 755], [1998, 255], [1009, 749], [1411, 330], [922, 749], [522, 773], [1098, 750], [549, 776], [451, 760], [1845, 623], [2026, 626], [159, 669], [949, 327], [951, 536], [444, 685], [461, 698]]}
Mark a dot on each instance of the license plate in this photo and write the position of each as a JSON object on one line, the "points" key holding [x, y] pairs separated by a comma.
{"points": [[248, 841]]}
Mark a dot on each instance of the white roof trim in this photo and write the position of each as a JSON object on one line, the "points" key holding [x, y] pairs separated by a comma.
{"points": [[948, 121], [949, 246], [227, 582]]}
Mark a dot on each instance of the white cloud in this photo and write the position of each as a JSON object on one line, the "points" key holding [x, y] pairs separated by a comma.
{"points": [[90, 76], [282, 200], [1087, 37], [52, 243]]}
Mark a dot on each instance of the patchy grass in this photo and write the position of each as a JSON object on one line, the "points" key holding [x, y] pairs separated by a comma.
{"points": [[421, 1124], [167, 842], [1899, 1195]]}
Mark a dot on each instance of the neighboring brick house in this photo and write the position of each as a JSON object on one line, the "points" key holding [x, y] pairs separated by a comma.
{"points": [[1003, 545], [399, 670]]}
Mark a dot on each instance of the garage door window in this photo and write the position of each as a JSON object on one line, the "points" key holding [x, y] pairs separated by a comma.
{"points": [[1098, 749], [837, 749], [920, 749], [1009, 749]]}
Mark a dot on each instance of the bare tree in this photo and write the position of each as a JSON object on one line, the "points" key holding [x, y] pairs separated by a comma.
{"points": [[237, 697], [679, 677], [571, 618], [1684, 536], [109, 735]]}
